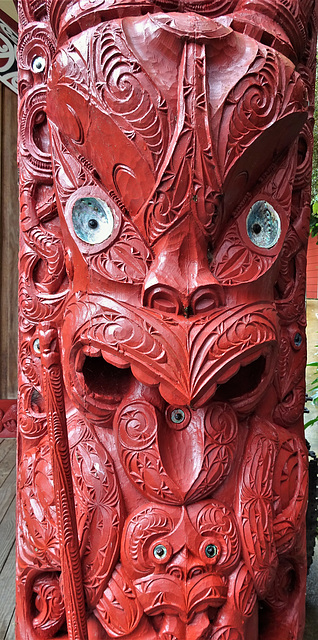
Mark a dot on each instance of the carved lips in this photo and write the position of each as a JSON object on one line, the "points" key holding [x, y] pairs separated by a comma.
{"points": [[188, 360]]}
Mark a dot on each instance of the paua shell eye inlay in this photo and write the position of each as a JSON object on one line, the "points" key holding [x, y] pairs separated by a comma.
{"points": [[298, 339], [177, 416], [93, 220], [211, 550], [263, 225], [160, 552], [38, 64], [36, 346]]}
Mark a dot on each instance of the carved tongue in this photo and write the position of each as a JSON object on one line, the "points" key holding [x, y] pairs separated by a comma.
{"points": [[181, 450]]}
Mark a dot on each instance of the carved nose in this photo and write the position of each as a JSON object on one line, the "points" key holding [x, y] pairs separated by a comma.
{"points": [[169, 300], [206, 299], [180, 280], [185, 566]]}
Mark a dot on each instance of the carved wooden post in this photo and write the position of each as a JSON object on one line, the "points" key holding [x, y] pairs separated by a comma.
{"points": [[165, 156]]}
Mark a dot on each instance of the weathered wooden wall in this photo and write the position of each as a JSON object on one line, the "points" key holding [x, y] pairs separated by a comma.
{"points": [[9, 238]]}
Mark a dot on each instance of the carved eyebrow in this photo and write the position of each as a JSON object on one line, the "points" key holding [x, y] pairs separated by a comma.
{"points": [[119, 202]]}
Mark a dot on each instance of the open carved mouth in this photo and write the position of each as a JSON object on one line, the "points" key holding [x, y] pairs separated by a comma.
{"points": [[246, 381], [183, 600], [102, 379], [99, 385], [103, 385], [231, 354]]}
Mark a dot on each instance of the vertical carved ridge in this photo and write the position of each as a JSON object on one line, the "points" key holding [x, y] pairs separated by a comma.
{"points": [[63, 487]]}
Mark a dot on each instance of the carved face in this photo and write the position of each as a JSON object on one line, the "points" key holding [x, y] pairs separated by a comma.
{"points": [[164, 214], [166, 552], [173, 211]]}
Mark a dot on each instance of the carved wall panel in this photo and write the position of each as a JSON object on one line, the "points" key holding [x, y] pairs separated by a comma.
{"points": [[165, 158]]}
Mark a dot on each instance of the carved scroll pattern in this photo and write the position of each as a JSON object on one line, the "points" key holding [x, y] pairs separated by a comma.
{"points": [[190, 181], [268, 92], [42, 272], [99, 508], [116, 83]]}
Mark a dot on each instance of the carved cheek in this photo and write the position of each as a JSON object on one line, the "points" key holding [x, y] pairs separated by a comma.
{"points": [[251, 246], [144, 544]]}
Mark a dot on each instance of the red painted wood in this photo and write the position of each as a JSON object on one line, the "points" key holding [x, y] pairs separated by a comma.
{"points": [[8, 418], [165, 154], [312, 268]]}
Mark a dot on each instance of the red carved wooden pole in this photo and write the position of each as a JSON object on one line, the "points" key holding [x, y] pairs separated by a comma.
{"points": [[165, 156]]}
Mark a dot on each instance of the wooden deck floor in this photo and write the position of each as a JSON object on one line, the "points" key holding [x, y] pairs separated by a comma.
{"points": [[7, 552], [7, 537]]}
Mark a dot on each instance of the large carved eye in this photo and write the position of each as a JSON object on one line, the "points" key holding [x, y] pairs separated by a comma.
{"points": [[210, 551], [93, 220], [263, 225]]}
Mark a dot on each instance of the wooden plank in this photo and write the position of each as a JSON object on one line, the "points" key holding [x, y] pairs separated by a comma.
{"points": [[7, 463], [7, 590], [7, 493], [5, 446], [10, 634], [7, 534], [8, 447]]}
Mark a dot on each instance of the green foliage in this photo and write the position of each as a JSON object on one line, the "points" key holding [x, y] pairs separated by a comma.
{"points": [[313, 393], [314, 214]]}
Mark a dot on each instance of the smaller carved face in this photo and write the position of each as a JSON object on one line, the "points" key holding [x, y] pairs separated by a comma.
{"points": [[180, 558]]}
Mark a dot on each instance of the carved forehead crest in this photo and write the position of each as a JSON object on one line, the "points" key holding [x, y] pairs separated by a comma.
{"points": [[285, 25]]}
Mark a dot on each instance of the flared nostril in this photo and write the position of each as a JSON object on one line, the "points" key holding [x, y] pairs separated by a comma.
{"points": [[163, 298], [206, 299], [195, 572]]}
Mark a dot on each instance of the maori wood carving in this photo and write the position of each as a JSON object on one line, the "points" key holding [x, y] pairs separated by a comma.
{"points": [[165, 157]]}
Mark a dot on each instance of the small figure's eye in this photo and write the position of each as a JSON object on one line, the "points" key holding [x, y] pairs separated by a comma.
{"points": [[177, 416], [211, 550], [38, 64], [160, 552], [263, 225], [93, 220]]}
